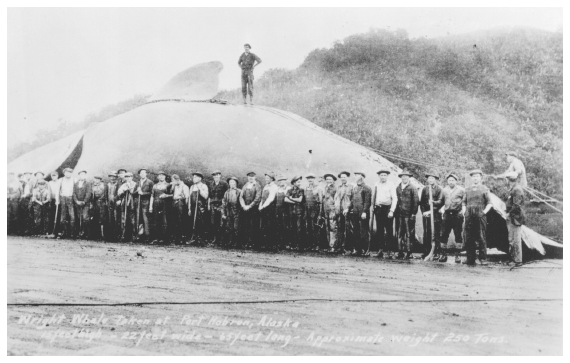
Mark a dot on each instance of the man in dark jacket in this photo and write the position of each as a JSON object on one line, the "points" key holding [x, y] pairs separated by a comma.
{"points": [[437, 194], [406, 210], [249, 200], [218, 189], [515, 219], [360, 214], [143, 193], [81, 199]]}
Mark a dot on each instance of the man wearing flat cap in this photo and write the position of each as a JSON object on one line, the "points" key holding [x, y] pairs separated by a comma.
{"points": [[296, 198], [113, 230], [477, 203], [437, 201], [249, 200], [343, 205], [218, 188], [515, 170], [82, 193], [247, 62], [197, 204], [53, 186], [313, 197], [142, 194], [360, 214], [231, 210], [406, 211], [267, 210], [330, 214], [40, 207], [452, 211], [385, 201], [180, 195], [160, 199]]}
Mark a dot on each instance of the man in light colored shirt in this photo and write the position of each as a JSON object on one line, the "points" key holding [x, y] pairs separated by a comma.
{"points": [[268, 212], [516, 169], [452, 211], [64, 198], [343, 205], [53, 186], [180, 194], [385, 200]]}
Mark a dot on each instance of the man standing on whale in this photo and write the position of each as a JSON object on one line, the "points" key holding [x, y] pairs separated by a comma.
{"points": [[247, 62]]}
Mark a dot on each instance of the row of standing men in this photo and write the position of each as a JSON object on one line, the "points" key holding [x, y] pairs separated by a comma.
{"points": [[279, 215]]}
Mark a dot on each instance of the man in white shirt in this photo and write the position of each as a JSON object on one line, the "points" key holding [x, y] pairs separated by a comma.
{"points": [[268, 212], [385, 200], [64, 199]]}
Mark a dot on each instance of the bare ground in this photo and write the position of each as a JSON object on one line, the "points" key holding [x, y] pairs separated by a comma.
{"points": [[342, 305]]}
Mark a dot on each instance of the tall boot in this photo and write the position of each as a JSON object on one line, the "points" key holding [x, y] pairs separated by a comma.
{"points": [[244, 100], [251, 100]]}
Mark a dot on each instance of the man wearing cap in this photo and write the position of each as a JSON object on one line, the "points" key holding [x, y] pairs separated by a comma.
{"points": [[159, 207], [247, 62], [53, 186], [40, 205], [268, 212], [330, 212], [385, 201], [360, 214], [476, 205], [218, 189], [312, 211], [26, 205], [65, 200], [128, 212], [516, 169], [99, 207], [452, 211], [283, 214], [14, 194], [82, 194], [142, 193], [296, 197], [231, 210], [113, 228], [515, 219], [197, 204], [249, 201], [436, 195], [180, 195], [406, 210], [343, 205]]}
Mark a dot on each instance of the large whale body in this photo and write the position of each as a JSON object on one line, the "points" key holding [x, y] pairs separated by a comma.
{"points": [[180, 130]]}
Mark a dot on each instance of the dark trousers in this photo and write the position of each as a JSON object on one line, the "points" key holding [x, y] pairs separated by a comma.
{"points": [[13, 208], [268, 219], [67, 216], [179, 216], [427, 232], [361, 232], [128, 223], [406, 229], [231, 224], [298, 231], [216, 219], [313, 231], [476, 236], [144, 216], [98, 218], [452, 221], [41, 218], [25, 219], [247, 83], [54, 219], [344, 231], [198, 220], [82, 215], [114, 221], [284, 228], [160, 220], [250, 225], [384, 228]]}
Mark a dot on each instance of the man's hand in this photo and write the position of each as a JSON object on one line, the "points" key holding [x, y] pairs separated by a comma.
{"points": [[345, 212], [139, 190], [427, 214], [224, 217], [363, 216], [391, 214], [150, 210], [189, 212], [441, 211]]}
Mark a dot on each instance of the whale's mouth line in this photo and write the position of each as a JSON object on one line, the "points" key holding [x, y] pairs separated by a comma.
{"points": [[72, 159]]}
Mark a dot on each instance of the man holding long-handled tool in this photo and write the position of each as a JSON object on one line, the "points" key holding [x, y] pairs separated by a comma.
{"points": [[430, 203], [128, 222], [64, 201], [143, 193], [385, 200], [82, 195], [477, 203], [406, 210], [360, 214], [180, 194], [53, 185], [197, 202]]}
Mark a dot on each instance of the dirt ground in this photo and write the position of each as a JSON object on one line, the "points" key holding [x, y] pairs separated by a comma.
{"points": [[204, 301]]}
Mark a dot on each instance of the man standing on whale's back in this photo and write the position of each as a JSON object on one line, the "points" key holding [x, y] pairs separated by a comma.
{"points": [[247, 62]]}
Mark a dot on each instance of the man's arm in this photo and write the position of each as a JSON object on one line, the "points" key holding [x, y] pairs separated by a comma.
{"points": [[255, 202], [256, 62], [394, 199], [270, 197]]}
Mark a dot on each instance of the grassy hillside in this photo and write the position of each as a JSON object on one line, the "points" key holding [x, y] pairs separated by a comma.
{"points": [[457, 102]]}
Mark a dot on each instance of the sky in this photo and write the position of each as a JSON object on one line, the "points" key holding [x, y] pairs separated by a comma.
{"points": [[64, 63]]}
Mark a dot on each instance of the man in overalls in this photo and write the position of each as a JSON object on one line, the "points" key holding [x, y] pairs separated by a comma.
{"points": [[159, 206], [249, 200], [231, 210], [197, 203]]}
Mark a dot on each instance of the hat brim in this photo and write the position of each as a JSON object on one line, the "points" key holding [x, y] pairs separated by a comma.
{"points": [[327, 175]]}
